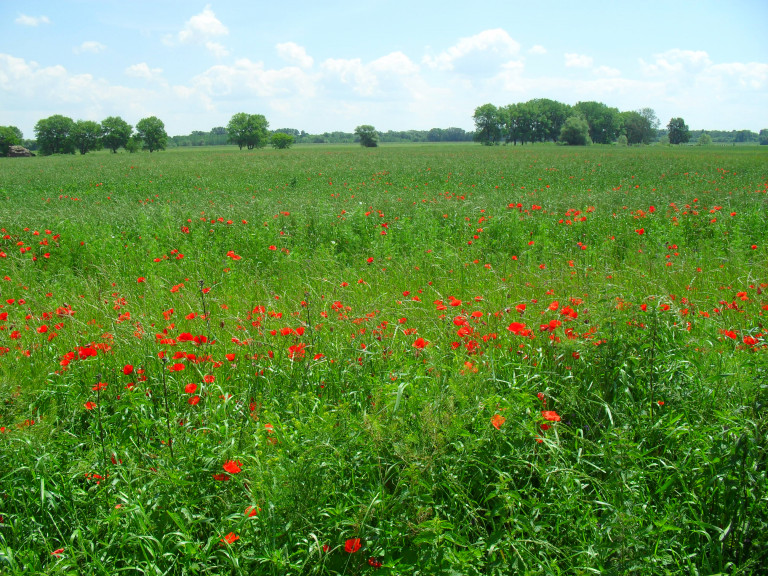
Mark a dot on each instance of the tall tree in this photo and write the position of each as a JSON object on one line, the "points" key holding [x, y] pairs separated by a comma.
{"points": [[575, 132], [637, 128], [488, 122], [53, 133], [115, 132], [367, 135], [86, 136], [152, 132], [678, 131], [763, 137], [249, 130], [604, 122], [550, 116]]}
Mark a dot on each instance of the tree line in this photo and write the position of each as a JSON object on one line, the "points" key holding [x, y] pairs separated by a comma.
{"points": [[544, 120], [538, 120]]}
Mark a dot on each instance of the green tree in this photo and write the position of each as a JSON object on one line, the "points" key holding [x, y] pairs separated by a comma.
{"points": [[367, 135], [115, 133], [134, 144], [86, 136], [281, 140], [678, 131], [763, 137], [9, 136], [152, 132], [53, 133], [604, 123], [575, 132], [249, 130], [704, 140], [637, 128], [488, 124], [549, 116]]}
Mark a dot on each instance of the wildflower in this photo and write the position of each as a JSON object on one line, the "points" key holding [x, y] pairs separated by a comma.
{"points": [[551, 415], [251, 511], [127, 369], [90, 405], [57, 552], [420, 343], [233, 466], [497, 421], [352, 545], [229, 538], [190, 388]]}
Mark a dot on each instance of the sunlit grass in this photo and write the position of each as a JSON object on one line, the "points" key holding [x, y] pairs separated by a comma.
{"points": [[530, 359]]}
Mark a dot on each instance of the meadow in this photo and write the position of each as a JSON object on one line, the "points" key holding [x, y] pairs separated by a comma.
{"points": [[437, 359]]}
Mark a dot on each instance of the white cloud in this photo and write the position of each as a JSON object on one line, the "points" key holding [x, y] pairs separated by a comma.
{"points": [[246, 78], [537, 49], [294, 54], [25, 20], [479, 53], [142, 70], [90, 46], [217, 49], [573, 60], [606, 71], [200, 30], [386, 74]]}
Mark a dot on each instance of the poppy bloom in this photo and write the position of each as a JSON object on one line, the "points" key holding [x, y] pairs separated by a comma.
{"points": [[90, 405], [58, 552], [190, 388], [352, 545], [229, 538], [251, 511], [551, 415], [497, 421], [127, 369], [420, 343], [193, 401], [232, 466]]}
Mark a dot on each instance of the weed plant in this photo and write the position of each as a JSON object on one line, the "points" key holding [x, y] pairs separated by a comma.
{"points": [[407, 360]]}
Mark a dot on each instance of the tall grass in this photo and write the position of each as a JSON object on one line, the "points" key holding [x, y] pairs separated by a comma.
{"points": [[408, 360]]}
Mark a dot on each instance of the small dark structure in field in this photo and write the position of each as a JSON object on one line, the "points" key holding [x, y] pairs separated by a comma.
{"points": [[18, 152]]}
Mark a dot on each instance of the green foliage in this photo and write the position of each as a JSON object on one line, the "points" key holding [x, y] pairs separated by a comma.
{"points": [[678, 131], [462, 360], [488, 122], [704, 140], [763, 137], [86, 136], [575, 132], [249, 130], [9, 136], [53, 135], [605, 123], [637, 128], [281, 140], [367, 136], [152, 133], [134, 144], [115, 133]]}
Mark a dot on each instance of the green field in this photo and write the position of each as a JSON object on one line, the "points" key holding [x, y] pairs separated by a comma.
{"points": [[437, 359]]}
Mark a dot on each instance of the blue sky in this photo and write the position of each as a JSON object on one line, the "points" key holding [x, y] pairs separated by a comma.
{"points": [[330, 65]]}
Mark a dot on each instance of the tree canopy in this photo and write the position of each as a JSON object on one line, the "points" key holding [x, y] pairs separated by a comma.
{"points": [[249, 130], [488, 123], [9, 136], [367, 135], [86, 136], [115, 133], [152, 132], [678, 131], [53, 133], [575, 132], [281, 140]]}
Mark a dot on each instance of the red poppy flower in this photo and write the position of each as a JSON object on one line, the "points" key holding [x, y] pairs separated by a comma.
{"points": [[90, 405], [251, 511], [127, 369], [190, 388], [551, 415], [58, 552], [420, 343], [178, 367], [209, 378], [193, 401], [497, 421], [233, 466], [352, 545], [229, 538]]}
